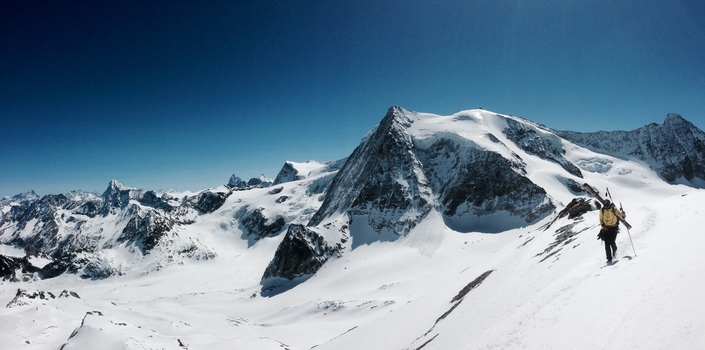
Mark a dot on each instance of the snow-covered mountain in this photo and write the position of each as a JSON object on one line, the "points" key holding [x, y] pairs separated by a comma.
{"points": [[438, 232], [675, 149]]}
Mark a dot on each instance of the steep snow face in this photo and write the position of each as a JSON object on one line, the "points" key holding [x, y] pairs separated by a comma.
{"points": [[675, 149]]}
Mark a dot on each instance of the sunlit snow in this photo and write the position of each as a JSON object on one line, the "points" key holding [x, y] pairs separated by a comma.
{"points": [[399, 293]]}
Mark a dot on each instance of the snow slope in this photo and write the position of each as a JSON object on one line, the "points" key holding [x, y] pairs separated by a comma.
{"points": [[539, 286], [392, 295]]}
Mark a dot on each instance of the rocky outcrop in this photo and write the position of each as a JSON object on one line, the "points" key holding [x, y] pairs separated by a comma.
{"points": [[145, 230], [302, 252], [8, 266], [475, 182], [209, 201], [536, 142], [26, 297], [288, 173], [255, 225]]}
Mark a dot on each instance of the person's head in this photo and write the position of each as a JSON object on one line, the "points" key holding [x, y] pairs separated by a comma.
{"points": [[608, 203]]}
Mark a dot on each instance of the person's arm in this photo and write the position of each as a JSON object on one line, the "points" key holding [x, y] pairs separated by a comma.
{"points": [[620, 213]]}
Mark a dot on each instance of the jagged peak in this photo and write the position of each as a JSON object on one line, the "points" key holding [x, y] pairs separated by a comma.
{"points": [[398, 115], [115, 184], [236, 182], [673, 118], [29, 195]]}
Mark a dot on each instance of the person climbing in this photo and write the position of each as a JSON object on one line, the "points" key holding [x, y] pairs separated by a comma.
{"points": [[609, 219]]}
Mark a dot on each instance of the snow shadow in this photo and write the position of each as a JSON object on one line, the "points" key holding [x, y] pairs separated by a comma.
{"points": [[274, 286], [490, 223]]}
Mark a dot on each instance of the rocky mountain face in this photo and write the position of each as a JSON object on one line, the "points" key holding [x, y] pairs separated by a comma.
{"points": [[381, 181], [674, 149], [394, 178], [474, 168]]}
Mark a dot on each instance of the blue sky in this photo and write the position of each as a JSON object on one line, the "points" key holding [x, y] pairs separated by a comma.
{"points": [[180, 95]]}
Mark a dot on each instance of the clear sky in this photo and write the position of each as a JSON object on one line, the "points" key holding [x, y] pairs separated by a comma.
{"points": [[182, 94]]}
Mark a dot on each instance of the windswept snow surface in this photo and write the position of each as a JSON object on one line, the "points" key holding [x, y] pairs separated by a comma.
{"points": [[434, 288], [392, 295]]}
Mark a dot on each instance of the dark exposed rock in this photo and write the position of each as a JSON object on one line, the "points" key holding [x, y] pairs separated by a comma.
{"points": [[90, 209], [276, 190], [290, 173], [572, 185], [96, 270], [563, 236], [24, 296], [67, 263], [456, 302], [544, 145], [302, 252], [576, 208], [66, 294], [209, 201], [255, 225], [10, 265], [287, 174], [484, 182], [151, 199], [145, 231], [470, 286], [381, 180], [259, 182]]}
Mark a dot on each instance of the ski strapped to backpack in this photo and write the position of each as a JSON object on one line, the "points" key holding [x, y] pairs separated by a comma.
{"points": [[591, 191]]}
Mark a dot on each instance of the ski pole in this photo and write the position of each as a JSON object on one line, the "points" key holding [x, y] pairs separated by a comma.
{"points": [[632, 242], [628, 233]]}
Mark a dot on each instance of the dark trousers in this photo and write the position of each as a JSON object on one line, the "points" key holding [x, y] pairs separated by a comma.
{"points": [[609, 235]]}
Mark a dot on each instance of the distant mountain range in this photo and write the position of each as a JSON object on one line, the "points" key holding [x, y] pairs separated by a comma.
{"points": [[478, 169]]}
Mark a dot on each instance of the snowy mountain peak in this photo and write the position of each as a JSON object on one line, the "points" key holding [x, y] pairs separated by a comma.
{"points": [[117, 185], [25, 196], [117, 195], [413, 163]]}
